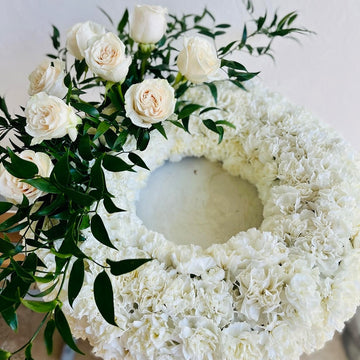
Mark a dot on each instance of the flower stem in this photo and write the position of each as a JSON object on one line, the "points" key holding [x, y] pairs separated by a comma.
{"points": [[121, 93]]}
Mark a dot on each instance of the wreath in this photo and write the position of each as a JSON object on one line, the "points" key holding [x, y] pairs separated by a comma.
{"points": [[270, 293]]}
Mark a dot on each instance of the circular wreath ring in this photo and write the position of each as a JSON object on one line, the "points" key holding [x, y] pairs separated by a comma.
{"points": [[270, 293]]}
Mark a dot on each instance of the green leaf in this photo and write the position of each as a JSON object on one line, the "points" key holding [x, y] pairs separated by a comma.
{"points": [[79, 198], [4, 355], [233, 65], [143, 140], [4, 108], [17, 227], [45, 292], [20, 215], [6, 247], [5, 206], [115, 164], [61, 171], [76, 280], [56, 232], [43, 184], [10, 317], [123, 21], [101, 129], [208, 109], [69, 244], [136, 159], [213, 91], [104, 297], [45, 279], [223, 26], [227, 123], [220, 131], [158, 126], [125, 266], [64, 330], [110, 206], [121, 140], [85, 147], [97, 177], [67, 80], [260, 22], [48, 336], [40, 306], [187, 110], [21, 272], [99, 231], [87, 109], [292, 18], [185, 122], [241, 76], [238, 84], [80, 67], [178, 124], [285, 20], [28, 355], [210, 124], [225, 49], [181, 90], [19, 167], [55, 37], [60, 262], [54, 206]]}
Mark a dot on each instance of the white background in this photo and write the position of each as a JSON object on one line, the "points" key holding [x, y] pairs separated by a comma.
{"points": [[322, 73]]}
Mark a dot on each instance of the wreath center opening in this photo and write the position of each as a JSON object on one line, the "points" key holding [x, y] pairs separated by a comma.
{"points": [[196, 201]]}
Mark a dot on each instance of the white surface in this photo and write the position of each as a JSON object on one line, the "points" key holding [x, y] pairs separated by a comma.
{"points": [[323, 73]]}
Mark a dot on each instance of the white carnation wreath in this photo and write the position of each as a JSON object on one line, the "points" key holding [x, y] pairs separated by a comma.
{"points": [[268, 293]]}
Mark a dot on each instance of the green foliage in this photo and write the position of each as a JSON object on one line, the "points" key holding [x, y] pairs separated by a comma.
{"points": [[77, 187], [76, 280], [125, 266], [104, 297], [63, 327]]}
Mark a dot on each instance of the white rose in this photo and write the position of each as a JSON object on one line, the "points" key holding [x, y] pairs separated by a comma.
{"points": [[80, 37], [198, 60], [106, 58], [48, 77], [48, 117], [148, 24], [149, 102], [13, 188]]}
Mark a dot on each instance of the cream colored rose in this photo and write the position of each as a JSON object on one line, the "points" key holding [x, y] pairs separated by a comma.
{"points": [[106, 58], [149, 102], [80, 37], [48, 117], [148, 24], [48, 77], [13, 188], [198, 60]]}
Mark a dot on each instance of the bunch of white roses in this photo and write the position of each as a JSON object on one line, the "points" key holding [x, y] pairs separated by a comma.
{"points": [[48, 116]]}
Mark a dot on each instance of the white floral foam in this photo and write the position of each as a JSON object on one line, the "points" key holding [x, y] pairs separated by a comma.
{"points": [[268, 293]]}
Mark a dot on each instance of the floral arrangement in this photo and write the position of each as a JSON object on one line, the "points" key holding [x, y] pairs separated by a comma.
{"points": [[90, 121], [268, 293]]}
